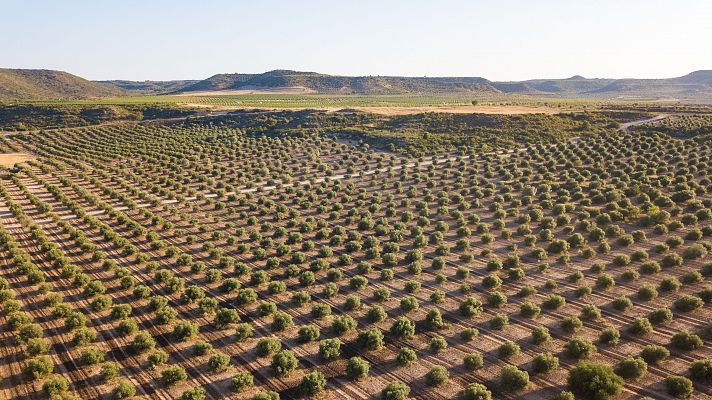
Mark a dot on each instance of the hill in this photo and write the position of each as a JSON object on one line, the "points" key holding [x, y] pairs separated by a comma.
{"points": [[696, 85], [35, 84], [322, 83], [25, 84]]}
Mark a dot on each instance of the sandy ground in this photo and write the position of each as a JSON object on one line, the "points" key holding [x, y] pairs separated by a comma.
{"points": [[464, 109], [10, 159]]}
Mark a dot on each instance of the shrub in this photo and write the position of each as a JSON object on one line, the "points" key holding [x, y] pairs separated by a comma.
{"points": [[284, 362], [653, 354], [571, 324], [594, 381], [342, 324], [437, 344], [35, 347], [92, 355], [357, 368], [564, 395], [320, 310], [508, 349], [473, 361], [266, 396], [701, 371], [124, 390], [660, 316], [692, 278], [554, 302], [409, 303], [224, 317], [469, 334], [512, 378], [647, 293], [688, 303], [706, 294], [196, 393], [499, 321], [312, 383], [29, 331], [243, 332], [281, 321], [678, 386], [55, 386], [376, 314], [403, 328], [670, 285], [610, 336], [686, 341], [605, 281], [582, 291], [694, 251], [579, 348], [218, 362], [529, 310], [491, 281], [434, 319], [650, 267], [632, 368], [496, 299], [127, 327], [395, 391], [590, 312], [476, 391], [185, 330], [156, 358], [622, 303], [544, 362], [308, 333], [330, 349], [437, 376], [109, 371], [172, 375], [640, 326], [267, 346], [241, 381], [540, 335], [406, 356], [470, 307]]}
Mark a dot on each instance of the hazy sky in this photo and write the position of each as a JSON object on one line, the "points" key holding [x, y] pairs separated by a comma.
{"points": [[499, 40]]}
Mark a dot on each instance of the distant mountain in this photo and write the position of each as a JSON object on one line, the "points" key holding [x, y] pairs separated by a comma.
{"points": [[703, 77], [46, 84], [151, 87], [575, 86], [34, 84], [322, 83], [696, 85]]}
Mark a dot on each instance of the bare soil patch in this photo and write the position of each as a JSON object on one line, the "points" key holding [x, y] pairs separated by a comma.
{"points": [[10, 159]]}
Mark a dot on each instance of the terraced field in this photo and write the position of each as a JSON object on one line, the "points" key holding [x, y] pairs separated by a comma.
{"points": [[196, 261]]}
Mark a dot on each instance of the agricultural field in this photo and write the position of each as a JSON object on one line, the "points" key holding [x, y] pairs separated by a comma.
{"points": [[392, 103], [686, 125], [260, 257]]}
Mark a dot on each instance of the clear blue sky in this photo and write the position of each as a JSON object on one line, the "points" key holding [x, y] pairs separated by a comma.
{"points": [[499, 40]]}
